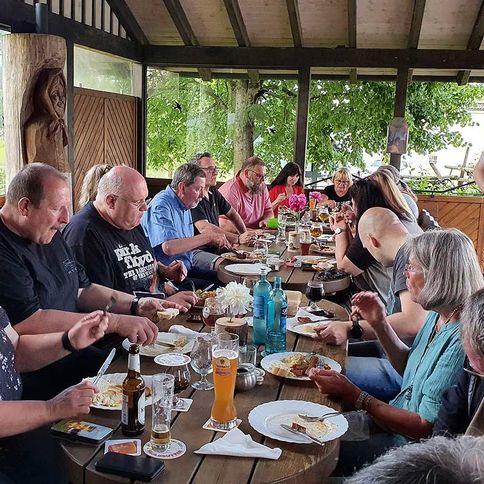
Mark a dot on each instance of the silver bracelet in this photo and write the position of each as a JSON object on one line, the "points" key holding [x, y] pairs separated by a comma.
{"points": [[361, 400]]}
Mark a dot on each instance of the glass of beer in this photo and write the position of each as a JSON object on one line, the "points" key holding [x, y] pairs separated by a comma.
{"points": [[316, 230], [162, 386], [314, 293], [212, 310], [323, 214], [225, 354], [304, 242]]}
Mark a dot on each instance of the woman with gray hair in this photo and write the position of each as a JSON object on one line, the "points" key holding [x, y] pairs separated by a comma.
{"points": [[442, 273]]}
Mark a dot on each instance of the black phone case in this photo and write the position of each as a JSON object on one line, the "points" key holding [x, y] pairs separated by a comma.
{"points": [[136, 467]]}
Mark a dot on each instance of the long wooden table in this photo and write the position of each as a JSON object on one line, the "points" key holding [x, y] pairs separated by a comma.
{"points": [[309, 462]]}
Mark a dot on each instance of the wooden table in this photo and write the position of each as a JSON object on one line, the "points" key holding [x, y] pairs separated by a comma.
{"points": [[309, 462]]}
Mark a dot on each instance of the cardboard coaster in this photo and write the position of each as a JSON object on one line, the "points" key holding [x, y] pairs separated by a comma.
{"points": [[208, 426], [123, 446], [176, 449], [183, 405]]}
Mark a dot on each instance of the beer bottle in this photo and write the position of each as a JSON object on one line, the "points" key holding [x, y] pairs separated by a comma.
{"points": [[133, 409]]}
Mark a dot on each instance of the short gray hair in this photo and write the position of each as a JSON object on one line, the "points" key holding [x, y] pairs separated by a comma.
{"points": [[186, 173], [197, 157], [110, 183], [450, 267], [472, 322], [437, 460]]}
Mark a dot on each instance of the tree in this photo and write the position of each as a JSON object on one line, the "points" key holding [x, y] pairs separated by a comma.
{"points": [[186, 115]]}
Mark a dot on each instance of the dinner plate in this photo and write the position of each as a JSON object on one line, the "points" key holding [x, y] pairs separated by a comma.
{"points": [[267, 418], [249, 260], [270, 360], [247, 269], [311, 259], [116, 379], [159, 348]]}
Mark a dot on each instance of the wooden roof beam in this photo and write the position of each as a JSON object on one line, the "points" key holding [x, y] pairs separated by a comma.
{"points": [[295, 22], [352, 35], [127, 20], [475, 41], [238, 26], [185, 30]]}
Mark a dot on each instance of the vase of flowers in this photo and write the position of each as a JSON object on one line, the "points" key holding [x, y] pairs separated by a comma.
{"points": [[297, 204], [314, 199], [235, 300]]}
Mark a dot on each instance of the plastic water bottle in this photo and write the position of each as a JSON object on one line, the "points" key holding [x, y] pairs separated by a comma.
{"points": [[262, 294], [276, 320]]}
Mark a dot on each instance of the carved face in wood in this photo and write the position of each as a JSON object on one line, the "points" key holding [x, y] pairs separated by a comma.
{"points": [[51, 92]]}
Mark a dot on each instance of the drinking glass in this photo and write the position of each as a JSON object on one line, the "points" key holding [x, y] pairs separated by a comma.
{"points": [[248, 355], [260, 248], [212, 310], [316, 230], [225, 353], [314, 293], [162, 400], [202, 361], [304, 242], [323, 214]]}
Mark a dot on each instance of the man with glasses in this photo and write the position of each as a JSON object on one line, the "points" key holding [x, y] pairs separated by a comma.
{"points": [[248, 195], [108, 240], [206, 214], [462, 408]]}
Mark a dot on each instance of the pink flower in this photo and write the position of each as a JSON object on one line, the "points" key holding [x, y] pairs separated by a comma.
{"points": [[297, 202], [315, 196]]}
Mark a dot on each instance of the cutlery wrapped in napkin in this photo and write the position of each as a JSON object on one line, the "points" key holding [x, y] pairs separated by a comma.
{"points": [[179, 329], [238, 444]]}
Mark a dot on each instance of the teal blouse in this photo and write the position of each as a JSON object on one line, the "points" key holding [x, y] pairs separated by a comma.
{"points": [[427, 377]]}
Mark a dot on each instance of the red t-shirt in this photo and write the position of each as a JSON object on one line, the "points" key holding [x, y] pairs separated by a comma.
{"points": [[278, 189]]}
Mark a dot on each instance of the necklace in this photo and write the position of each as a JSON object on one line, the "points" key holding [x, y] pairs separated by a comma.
{"points": [[409, 390]]}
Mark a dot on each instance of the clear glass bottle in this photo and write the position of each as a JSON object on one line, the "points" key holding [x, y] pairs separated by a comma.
{"points": [[276, 321], [133, 407], [262, 295]]}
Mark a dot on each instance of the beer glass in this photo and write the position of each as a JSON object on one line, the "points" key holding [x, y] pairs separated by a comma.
{"points": [[201, 356], [225, 354], [314, 293], [162, 386]]}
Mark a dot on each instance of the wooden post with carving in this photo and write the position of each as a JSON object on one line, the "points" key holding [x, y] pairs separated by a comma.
{"points": [[34, 91]]}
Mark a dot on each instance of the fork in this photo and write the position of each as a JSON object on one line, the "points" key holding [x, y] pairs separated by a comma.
{"points": [[313, 418]]}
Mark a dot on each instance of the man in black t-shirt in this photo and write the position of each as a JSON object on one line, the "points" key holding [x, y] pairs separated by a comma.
{"points": [[206, 214], [108, 240], [43, 288]]}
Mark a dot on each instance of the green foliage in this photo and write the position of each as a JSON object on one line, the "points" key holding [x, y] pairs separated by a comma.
{"points": [[428, 185], [187, 115]]}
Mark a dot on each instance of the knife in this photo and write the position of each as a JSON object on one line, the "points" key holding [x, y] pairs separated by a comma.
{"points": [[104, 366], [313, 439]]}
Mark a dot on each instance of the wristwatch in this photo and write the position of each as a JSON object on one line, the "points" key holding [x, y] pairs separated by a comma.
{"points": [[339, 230], [356, 331], [134, 306]]}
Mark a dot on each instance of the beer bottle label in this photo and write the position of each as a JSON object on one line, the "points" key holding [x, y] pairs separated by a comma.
{"points": [[133, 363], [125, 410], [141, 408]]}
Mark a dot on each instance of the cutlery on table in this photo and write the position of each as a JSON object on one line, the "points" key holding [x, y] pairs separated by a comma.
{"points": [[208, 287], [320, 418], [104, 366], [297, 432]]}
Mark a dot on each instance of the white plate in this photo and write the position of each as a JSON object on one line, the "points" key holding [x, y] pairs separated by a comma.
{"points": [[247, 269], [232, 257], [295, 326], [302, 328], [311, 259], [161, 349], [117, 378], [268, 361], [266, 419]]}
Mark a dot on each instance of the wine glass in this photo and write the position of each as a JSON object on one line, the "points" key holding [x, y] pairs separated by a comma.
{"points": [[202, 361], [314, 293], [316, 230], [212, 310]]}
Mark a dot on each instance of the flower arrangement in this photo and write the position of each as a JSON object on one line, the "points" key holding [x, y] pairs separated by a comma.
{"points": [[297, 203], [234, 298], [315, 196]]}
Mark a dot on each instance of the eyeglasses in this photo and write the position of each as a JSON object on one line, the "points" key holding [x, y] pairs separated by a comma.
{"points": [[258, 175], [411, 268], [211, 169], [137, 203], [342, 182], [471, 371]]}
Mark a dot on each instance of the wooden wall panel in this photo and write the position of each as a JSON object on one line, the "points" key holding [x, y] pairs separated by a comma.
{"points": [[104, 132]]}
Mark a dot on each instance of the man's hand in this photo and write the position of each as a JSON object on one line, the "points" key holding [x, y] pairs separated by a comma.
{"points": [[175, 271], [263, 224], [337, 221], [72, 401], [219, 240], [184, 299], [248, 238], [148, 306], [367, 305], [335, 333], [88, 330], [330, 382], [330, 204], [137, 329]]}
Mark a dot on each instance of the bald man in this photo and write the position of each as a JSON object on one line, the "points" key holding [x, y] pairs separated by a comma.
{"points": [[479, 172], [108, 240], [384, 236]]}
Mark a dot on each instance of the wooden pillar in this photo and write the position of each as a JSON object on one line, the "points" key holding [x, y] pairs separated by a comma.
{"points": [[70, 113], [399, 107], [141, 122], [26, 58], [304, 82]]}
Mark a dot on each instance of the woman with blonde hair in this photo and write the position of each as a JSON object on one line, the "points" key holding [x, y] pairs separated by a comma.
{"points": [[90, 183], [339, 191]]}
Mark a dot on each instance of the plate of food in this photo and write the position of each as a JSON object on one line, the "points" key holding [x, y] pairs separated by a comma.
{"points": [[165, 343], [110, 395], [268, 417], [242, 256], [322, 249], [310, 259], [202, 296], [247, 269], [296, 365]]}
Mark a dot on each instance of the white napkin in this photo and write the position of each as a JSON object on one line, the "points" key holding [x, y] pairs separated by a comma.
{"points": [[179, 329], [237, 444]]}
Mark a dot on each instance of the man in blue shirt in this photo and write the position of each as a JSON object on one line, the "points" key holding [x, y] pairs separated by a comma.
{"points": [[169, 227]]}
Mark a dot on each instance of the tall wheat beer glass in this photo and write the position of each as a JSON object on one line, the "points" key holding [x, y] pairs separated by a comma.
{"points": [[225, 354]]}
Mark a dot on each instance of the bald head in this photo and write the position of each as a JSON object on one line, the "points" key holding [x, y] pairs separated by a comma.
{"points": [[121, 181], [382, 234]]}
